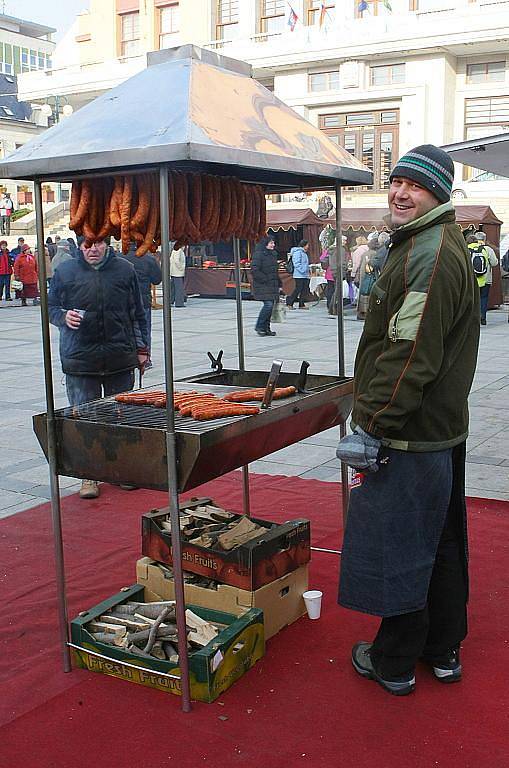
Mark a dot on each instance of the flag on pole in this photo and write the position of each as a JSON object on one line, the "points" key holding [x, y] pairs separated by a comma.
{"points": [[292, 18], [323, 11], [362, 6], [387, 5]]}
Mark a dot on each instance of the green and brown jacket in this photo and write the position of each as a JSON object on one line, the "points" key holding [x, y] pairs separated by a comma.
{"points": [[417, 354]]}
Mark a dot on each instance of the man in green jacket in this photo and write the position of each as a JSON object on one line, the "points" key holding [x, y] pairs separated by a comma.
{"points": [[405, 547]]}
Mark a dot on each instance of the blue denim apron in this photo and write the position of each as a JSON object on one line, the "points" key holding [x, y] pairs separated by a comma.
{"points": [[395, 519]]}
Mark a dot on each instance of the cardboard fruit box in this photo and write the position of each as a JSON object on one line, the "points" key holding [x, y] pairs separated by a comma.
{"points": [[281, 601], [250, 566], [212, 669]]}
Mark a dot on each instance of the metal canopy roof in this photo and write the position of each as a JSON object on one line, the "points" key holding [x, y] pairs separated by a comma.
{"points": [[194, 108], [488, 154]]}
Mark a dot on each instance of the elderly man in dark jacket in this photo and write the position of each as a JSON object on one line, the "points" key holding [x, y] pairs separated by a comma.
{"points": [[404, 551], [95, 301], [266, 283]]}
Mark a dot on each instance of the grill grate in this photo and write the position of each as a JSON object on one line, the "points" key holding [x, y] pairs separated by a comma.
{"points": [[108, 411]]}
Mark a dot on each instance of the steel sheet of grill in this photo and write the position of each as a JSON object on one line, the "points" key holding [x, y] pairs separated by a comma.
{"points": [[123, 443]]}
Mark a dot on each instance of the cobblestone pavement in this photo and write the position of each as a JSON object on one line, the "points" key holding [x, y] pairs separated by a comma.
{"points": [[210, 325]]}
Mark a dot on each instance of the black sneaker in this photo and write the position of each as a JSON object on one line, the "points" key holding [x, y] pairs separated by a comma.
{"points": [[270, 333], [361, 660], [261, 333], [446, 668]]}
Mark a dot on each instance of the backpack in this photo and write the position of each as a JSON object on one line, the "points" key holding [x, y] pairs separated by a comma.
{"points": [[289, 266], [479, 261], [505, 261]]}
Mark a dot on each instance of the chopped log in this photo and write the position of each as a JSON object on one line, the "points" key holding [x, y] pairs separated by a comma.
{"points": [[244, 531], [110, 629], [153, 632], [153, 610], [203, 633], [109, 639], [129, 622], [157, 651]]}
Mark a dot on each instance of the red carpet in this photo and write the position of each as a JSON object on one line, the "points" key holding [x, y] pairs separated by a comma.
{"points": [[301, 705]]}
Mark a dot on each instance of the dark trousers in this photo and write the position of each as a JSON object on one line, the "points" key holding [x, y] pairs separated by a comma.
{"points": [[5, 282], [263, 321], [300, 291], [484, 293], [6, 225], [442, 624], [148, 320], [83, 389], [178, 294], [329, 293]]}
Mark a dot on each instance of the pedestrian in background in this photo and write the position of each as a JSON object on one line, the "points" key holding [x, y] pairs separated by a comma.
{"points": [[266, 282], [25, 270], [62, 254], [486, 257], [6, 211], [300, 259], [148, 272], [357, 254], [52, 248], [367, 275], [177, 275], [5, 271], [16, 251]]}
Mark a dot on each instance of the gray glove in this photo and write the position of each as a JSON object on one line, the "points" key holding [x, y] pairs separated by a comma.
{"points": [[359, 451]]}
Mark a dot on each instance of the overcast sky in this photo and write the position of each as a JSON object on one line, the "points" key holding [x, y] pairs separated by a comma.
{"points": [[59, 14]]}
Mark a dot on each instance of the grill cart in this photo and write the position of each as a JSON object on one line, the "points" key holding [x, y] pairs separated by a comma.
{"points": [[191, 112]]}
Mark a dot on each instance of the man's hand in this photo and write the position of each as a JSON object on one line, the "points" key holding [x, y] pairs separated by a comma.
{"points": [[72, 319], [359, 451], [143, 358]]}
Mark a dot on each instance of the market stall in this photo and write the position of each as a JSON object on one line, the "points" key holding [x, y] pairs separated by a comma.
{"points": [[362, 221], [206, 182]]}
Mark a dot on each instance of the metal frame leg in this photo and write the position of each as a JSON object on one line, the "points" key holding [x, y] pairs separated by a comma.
{"points": [[56, 514], [246, 506], [171, 447], [345, 491]]}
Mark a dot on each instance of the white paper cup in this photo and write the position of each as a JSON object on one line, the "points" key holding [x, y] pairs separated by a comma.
{"points": [[313, 601]]}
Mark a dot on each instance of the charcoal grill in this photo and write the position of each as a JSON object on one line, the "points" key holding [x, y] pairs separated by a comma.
{"points": [[124, 443]]}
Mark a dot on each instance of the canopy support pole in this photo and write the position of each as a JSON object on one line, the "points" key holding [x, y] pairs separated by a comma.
{"points": [[56, 514], [246, 506], [341, 341], [171, 445]]}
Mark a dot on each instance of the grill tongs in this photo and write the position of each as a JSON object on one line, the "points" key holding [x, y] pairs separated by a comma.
{"points": [[275, 370]]}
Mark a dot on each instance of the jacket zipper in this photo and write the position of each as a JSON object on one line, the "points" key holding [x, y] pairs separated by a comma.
{"points": [[394, 328]]}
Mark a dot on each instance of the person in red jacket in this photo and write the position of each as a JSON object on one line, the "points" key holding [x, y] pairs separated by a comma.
{"points": [[5, 271], [25, 270]]}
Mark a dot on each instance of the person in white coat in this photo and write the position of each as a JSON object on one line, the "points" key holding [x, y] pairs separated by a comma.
{"points": [[177, 275]]}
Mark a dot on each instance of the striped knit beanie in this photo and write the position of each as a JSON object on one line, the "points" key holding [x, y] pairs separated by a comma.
{"points": [[430, 167]]}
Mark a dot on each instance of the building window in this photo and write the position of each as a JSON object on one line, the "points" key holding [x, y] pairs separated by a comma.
{"points": [[490, 72], [371, 8], [272, 16], [169, 25], [323, 81], [227, 19], [25, 66], [49, 62], [319, 12], [371, 137], [391, 74], [40, 60], [130, 34], [6, 63], [33, 59]]}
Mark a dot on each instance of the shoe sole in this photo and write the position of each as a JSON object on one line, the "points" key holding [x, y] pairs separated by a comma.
{"points": [[399, 689], [447, 675]]}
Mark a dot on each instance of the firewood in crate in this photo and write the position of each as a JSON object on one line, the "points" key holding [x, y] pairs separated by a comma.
{"points": [[163, 631], [244, 531], [157, 651], [203, 632], [129, 622], [170, 652], [109, 639], [109, 629], [153, 610], [152, 636]]}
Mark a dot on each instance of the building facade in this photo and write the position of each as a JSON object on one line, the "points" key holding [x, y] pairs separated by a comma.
{"points": [[377, 76], [24, 47]]}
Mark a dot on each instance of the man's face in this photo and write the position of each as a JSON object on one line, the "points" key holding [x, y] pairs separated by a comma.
{"points": [[409, 201], [21, 242], [271, 245], [94, 254]]}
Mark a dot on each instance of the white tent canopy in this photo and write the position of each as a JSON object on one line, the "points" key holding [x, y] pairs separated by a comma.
{"points": [[488, 154]]}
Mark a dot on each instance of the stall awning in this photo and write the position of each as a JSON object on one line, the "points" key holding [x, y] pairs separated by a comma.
{"points": [[197, 109], [291, 218], [374, 218], [488, 154]]}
